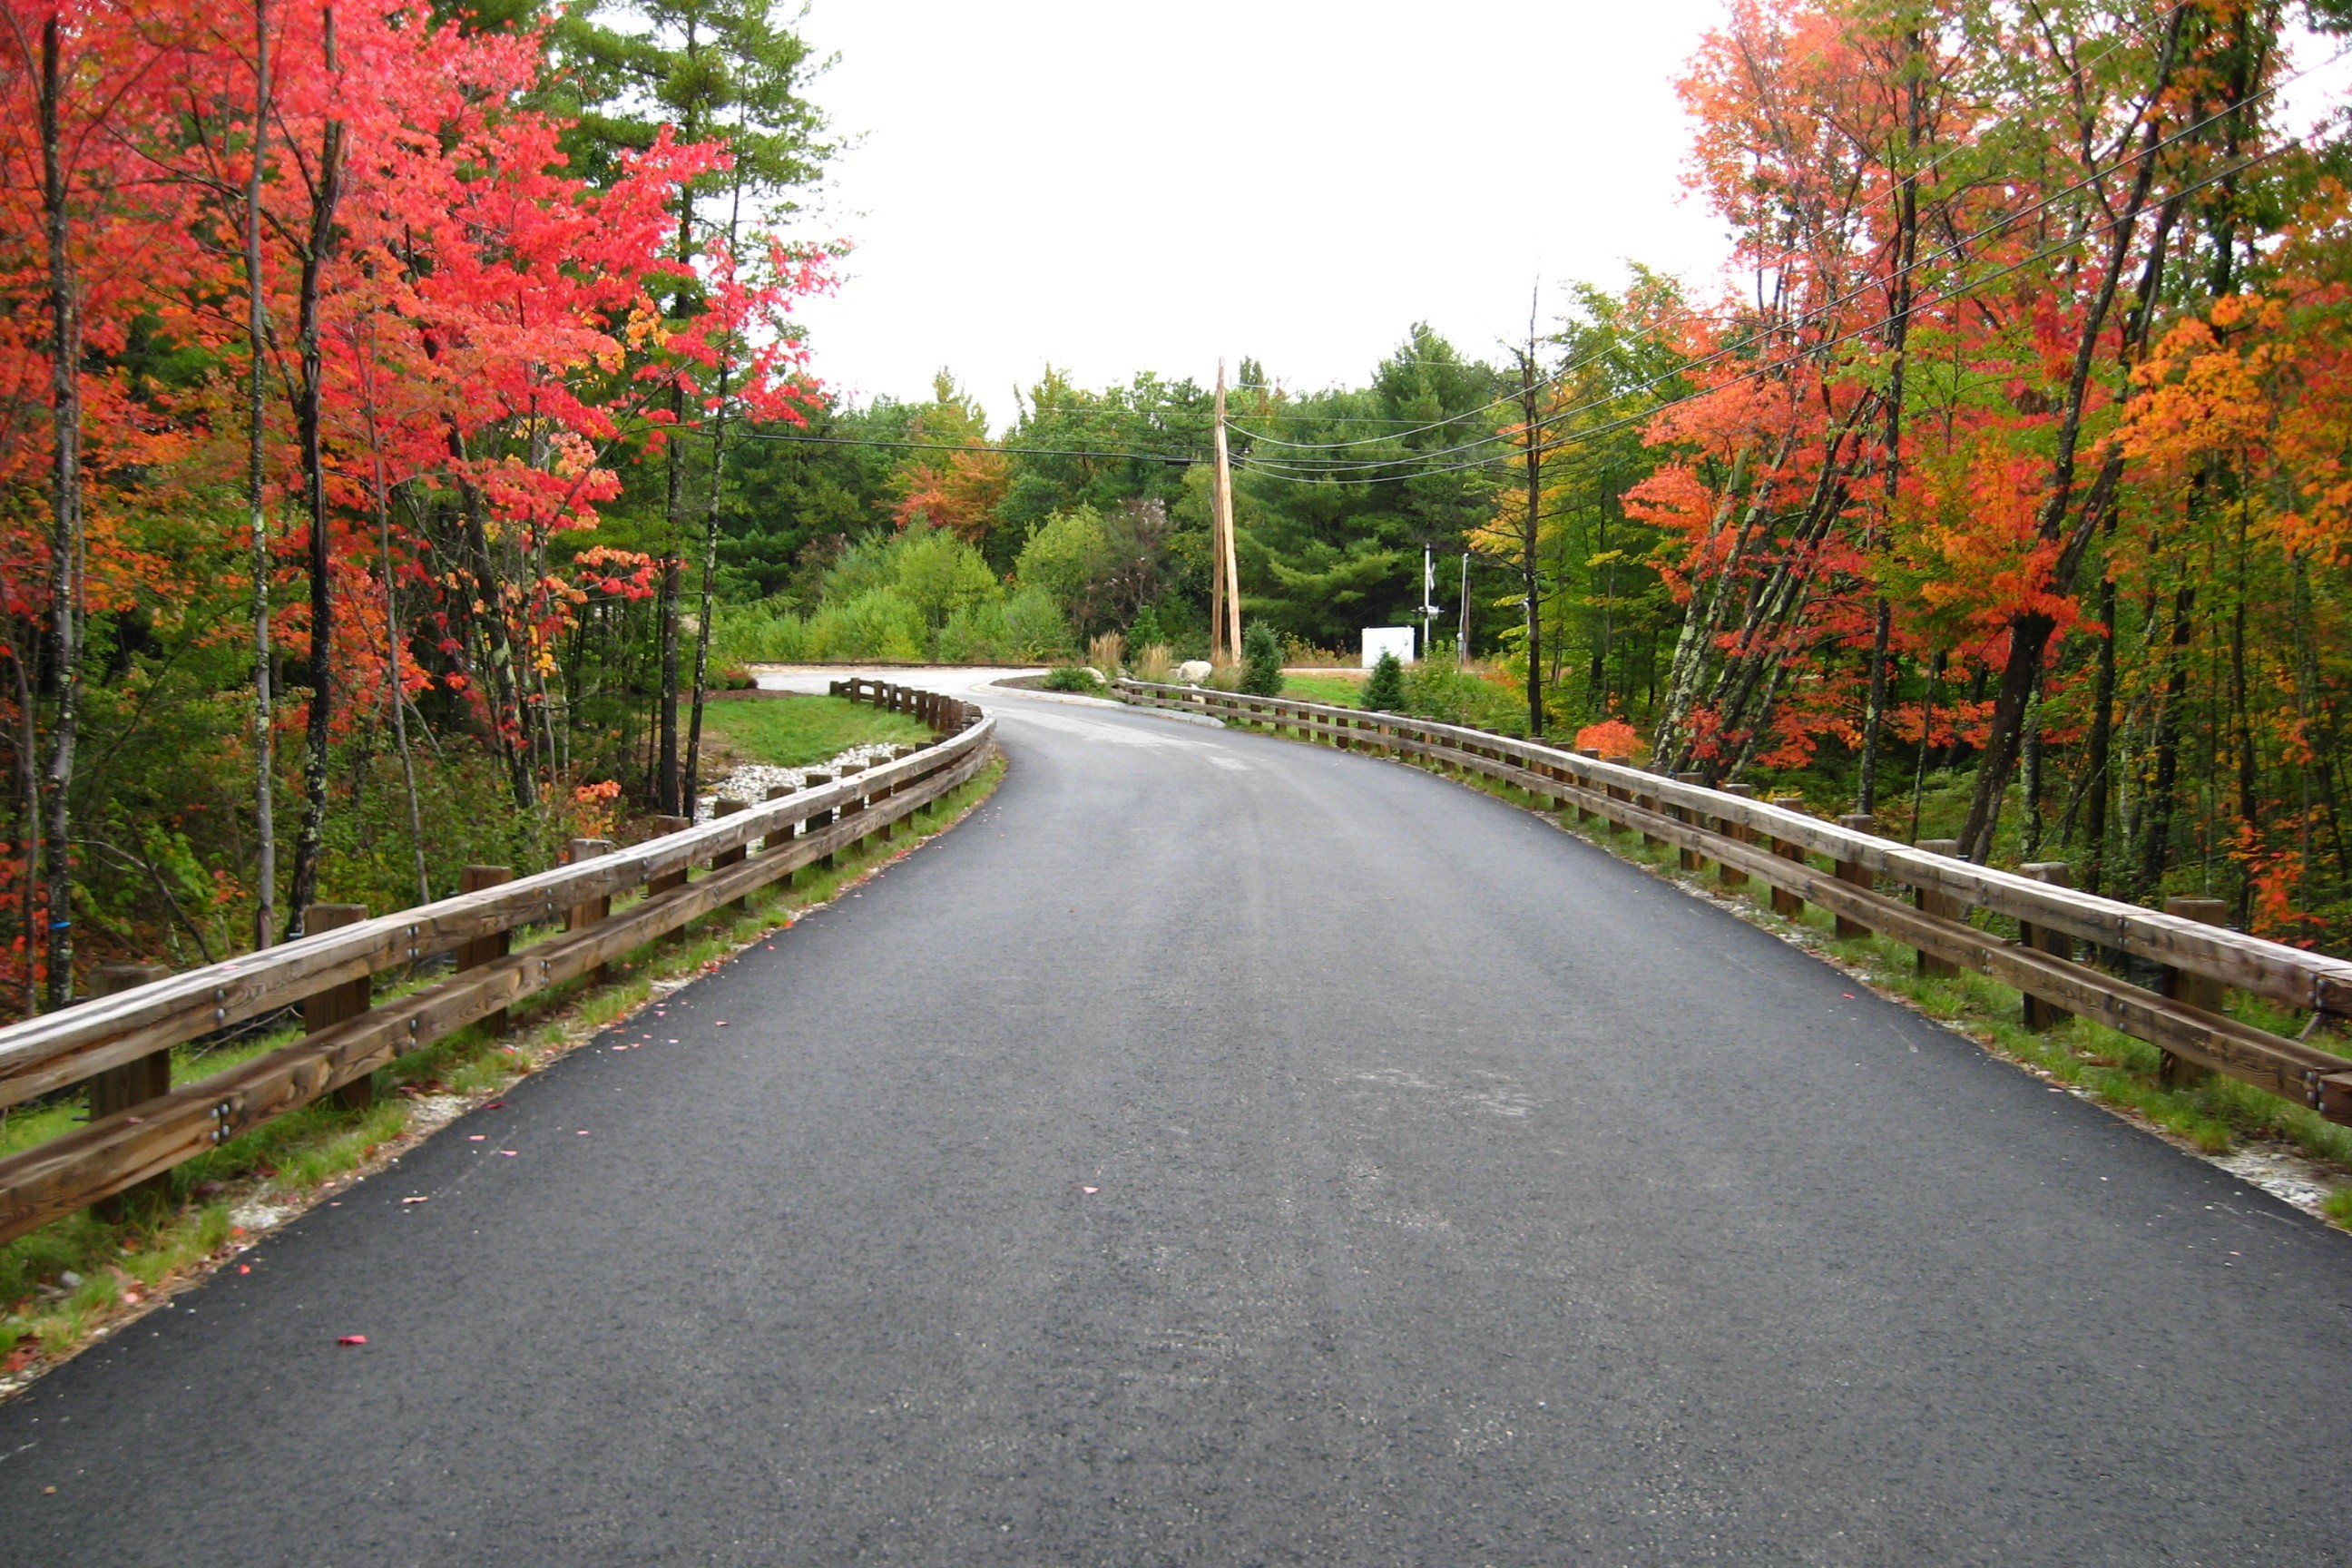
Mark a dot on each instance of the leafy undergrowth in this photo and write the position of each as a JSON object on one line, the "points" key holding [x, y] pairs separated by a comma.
{"points": [[792, 730], [71, 1282], [2219, 1116]]}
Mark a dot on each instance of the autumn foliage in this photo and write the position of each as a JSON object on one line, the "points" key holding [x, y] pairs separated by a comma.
{"points": [[2015, 453], [465, 342]]}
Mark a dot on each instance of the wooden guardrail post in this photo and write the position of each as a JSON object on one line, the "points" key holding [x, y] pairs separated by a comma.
{"points": [[898, 753], [1648, 803], [1618, 791], [856, 803], [1854, 871], [1786, 904], [1584, 812], [1688, 858], [727, 807], [667, 881], [582, 915], [1931, 903], [475, 952], [322, 1010], [821, 819], [133, 1083], [2192, 990], [2041, 1014], [1726, 874], [782, 836]]}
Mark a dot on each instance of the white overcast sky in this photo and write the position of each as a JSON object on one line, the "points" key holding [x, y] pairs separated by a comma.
{"points": [[1119, 186], [1115, 187]]}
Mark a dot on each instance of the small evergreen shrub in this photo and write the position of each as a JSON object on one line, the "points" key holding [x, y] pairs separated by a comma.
{"points": [[1072, 677], [1261, 662], [1384, 688]]}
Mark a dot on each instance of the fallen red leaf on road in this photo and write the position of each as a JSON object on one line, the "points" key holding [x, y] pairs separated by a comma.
{"points": [[351, 1340]]}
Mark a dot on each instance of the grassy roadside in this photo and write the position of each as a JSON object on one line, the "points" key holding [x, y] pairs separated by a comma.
{"points": [[69, 1283], [792, 730], [1340, 689], [2218, 1117]]}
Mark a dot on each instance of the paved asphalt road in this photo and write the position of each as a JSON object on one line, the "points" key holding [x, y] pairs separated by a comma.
{"points": [[1220, 1151]]}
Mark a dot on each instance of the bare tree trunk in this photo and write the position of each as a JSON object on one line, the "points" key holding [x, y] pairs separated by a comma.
{"points": [[28, 786], [2156, 847], [256, 334], [65, 526], [1689, 662], [2099, 761], [1530, 572], [710, 541], [326, 196], [2028, 636], [1906, 251], [393, 695]]}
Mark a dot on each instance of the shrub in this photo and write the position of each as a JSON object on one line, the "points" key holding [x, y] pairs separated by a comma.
{"points": [[1384, 688], [1070, 678], [1034, 625], [1450, 695], [1261, 662], [876, 624], [1107, 653], [1063, 556], [1152, 663], [1611, 737]]}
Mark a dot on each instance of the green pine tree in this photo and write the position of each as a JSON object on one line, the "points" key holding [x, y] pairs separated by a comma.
{"points": [[1384, 692], [1260, 661]]}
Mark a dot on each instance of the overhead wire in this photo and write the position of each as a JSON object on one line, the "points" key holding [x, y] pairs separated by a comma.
{"points": [[1692, 316], [794, 438], [1772, 368], [1337, 468]]}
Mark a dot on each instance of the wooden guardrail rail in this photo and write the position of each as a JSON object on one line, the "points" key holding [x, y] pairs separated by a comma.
{"points": [[114, 1037], [1777, 846]]}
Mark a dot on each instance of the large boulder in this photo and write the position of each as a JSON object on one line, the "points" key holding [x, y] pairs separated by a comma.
{"points": [[1194, 671]]}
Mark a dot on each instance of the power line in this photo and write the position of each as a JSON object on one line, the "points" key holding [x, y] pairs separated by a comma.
{"points": [[1690, 316], [951, 446], [1771, 368], [1727, 350]]}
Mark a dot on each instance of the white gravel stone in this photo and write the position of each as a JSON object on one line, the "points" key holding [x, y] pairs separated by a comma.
{"points": [[751, 782]]}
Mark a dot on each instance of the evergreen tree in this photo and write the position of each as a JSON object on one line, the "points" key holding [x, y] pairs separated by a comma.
{"points": [[1260, 661], [1384, 692]]}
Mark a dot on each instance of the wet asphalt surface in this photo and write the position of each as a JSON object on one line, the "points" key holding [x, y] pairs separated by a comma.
{"points": [[1223, 1152]]}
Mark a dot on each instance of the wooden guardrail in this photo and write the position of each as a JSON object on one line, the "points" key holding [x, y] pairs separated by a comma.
{"points": [[1777, 846], [127, 1036]]}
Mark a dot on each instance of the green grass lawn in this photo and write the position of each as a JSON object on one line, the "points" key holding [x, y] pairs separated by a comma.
{"points": [[792, 730], [1337, 689]]}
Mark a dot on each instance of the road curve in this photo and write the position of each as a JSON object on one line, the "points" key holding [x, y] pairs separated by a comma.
{"points": [[1219, 1152]]}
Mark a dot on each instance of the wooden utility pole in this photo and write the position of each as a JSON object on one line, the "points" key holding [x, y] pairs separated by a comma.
{"points": [[1225, 590]]}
